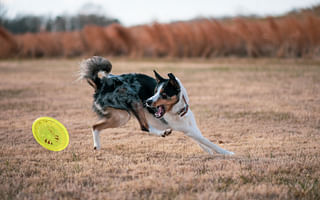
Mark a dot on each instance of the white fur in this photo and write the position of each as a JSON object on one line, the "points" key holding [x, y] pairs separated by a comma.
{"points": [[156, 96], [96, 139], [155, 126]]}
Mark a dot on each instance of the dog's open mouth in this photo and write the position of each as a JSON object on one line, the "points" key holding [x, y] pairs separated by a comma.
{"points": [[160, 111]]}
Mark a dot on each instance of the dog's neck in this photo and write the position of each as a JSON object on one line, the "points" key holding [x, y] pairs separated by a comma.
{"points": [[185, 109], [181, 108]]}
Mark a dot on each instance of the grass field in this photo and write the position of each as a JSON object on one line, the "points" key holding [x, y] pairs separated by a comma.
{"points": [[267, 111]]}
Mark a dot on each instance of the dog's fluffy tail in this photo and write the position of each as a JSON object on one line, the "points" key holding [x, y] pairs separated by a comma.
{"points": [[93, 69]]}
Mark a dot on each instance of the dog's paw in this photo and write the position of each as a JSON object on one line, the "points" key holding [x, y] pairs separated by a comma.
{"points": [[96, 148], [228, 153], [166, 133]]}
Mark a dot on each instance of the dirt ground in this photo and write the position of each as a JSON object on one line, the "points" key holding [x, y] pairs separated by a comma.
{"points": [[266, 111]]}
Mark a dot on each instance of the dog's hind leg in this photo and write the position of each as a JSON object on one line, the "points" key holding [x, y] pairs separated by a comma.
{"points": [[112, 119]]}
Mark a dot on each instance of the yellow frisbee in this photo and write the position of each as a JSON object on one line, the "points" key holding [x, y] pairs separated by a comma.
{"points": [[50, 133]]}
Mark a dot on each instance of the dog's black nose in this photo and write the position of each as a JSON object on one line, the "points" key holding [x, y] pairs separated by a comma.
{"points": [[149, 102]]}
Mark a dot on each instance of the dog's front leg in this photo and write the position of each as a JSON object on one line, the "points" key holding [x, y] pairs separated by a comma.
{"points": [[209, 151], [137, 110], [191, 129], [157, 132], [205, 143]]}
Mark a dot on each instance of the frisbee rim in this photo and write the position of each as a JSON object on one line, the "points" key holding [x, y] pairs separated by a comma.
{"points": [[57, 123]]}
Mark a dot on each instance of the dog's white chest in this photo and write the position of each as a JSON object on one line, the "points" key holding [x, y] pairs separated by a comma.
{"points": [[178, 123]]}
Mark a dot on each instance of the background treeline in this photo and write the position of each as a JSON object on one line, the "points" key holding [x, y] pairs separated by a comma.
{"points": [[89, 13], [33, 24], [294, 35]]}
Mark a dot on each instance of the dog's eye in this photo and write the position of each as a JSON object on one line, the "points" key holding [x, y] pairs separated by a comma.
{"points": [[164, 95]]}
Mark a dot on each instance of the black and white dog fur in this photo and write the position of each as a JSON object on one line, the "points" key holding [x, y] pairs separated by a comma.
{"points": [[160, 105]]}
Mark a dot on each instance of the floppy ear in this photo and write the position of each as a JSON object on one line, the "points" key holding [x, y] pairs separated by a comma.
{"points": [[173, 81], [158, 77]]}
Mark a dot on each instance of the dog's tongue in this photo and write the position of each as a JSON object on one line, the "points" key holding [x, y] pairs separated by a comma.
{"points": [[159, 112]]}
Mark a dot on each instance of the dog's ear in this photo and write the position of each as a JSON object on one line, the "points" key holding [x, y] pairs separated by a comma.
{"points": [[173, 81], [158, 77]]}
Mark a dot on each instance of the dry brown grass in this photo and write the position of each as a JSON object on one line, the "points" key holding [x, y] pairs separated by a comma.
{"points": [[266, 111]]}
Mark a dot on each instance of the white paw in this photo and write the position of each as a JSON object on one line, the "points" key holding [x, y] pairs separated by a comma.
{"points": [[96, 148], [166, 133], [229, 153]]}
